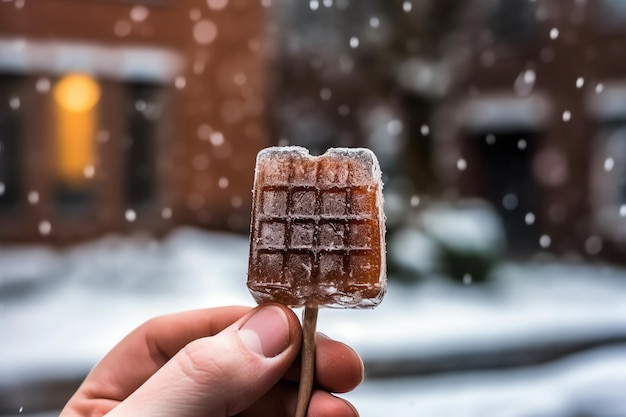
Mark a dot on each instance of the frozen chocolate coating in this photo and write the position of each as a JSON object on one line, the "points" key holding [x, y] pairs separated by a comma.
{"points": [[317, 232]]}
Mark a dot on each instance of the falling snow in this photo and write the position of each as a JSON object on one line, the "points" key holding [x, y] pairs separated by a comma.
{"points": [[341, 61], [45, 227], [122, 28], [43, 85], [33, 197], [567, 116], [325, 93], [216, 138], [89, 171], [580, 81], [529, 76], [130, 215], [217, 4], [394, 127], [593, 245], [139, 13], [15, 103], [554, 33], [180, 82], [204, 32], [525, 82]]}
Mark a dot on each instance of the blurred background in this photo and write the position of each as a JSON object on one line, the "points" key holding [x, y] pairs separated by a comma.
{"points": [[128, 136]]}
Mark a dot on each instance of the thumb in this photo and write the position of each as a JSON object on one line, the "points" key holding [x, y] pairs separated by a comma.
{"points": [[223, 374]]}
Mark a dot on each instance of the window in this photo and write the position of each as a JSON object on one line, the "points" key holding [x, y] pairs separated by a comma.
{"points": [[10, 141], [507, 161], [76, 97], [143, 109]]}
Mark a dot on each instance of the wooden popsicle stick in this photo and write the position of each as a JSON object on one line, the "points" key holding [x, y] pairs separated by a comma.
{"points": [[307, 371]]}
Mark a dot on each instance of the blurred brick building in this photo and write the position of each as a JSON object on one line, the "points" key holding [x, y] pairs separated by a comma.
{"points": [[524, 103], [118, 116], [516, 102]]}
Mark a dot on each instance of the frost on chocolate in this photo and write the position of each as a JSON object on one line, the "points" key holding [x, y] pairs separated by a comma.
{"points": [[317, 233]]}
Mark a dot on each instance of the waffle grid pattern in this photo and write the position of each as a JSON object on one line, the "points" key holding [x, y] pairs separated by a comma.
{"points": [[318, 234]]}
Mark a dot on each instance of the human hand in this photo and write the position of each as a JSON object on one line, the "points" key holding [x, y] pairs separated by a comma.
{"points": [[216, 362]]}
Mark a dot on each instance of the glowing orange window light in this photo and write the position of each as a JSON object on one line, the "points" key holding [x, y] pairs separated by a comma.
{"points": [[76, 97]]}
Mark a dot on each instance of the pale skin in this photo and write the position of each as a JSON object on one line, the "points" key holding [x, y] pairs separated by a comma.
{"points": [[206, 363]]}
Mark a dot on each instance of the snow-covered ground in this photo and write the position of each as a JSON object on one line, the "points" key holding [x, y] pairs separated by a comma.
{"points": [[587, 384], [62, 310]]}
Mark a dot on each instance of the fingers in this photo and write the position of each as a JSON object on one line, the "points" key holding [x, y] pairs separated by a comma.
{"points": [[222, 374], [150, 346], [181, 347], [281, 402], [338, 368], [327, 405]]}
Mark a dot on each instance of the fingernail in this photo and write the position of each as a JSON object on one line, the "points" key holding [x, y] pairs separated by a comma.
{"points": [[266, 332]]}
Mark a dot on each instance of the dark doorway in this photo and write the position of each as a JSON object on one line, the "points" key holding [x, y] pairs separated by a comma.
{"points": [[509, 185], [613, 134]]}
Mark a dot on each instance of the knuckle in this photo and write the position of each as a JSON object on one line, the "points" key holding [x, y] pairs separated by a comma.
{"points": [[197, 361]]}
